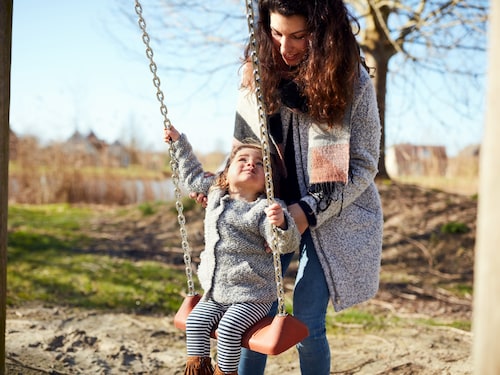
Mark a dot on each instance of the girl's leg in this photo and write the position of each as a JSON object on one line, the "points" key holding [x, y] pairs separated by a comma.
{"points": [[253, 363], [237, 319], [310, 302], [199, 325]]}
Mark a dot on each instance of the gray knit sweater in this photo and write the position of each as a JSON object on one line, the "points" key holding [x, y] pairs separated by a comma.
{"points": [[234, 266], [348, 234]]}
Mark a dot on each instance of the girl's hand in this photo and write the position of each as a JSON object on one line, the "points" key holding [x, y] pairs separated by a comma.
{"points": [[275, 215], [171, 134]]}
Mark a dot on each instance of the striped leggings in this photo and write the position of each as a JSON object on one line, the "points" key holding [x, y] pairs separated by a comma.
{"points": [[233, 320]]}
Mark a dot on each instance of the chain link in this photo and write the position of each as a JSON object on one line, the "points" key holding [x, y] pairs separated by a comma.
{"points": [[173, 161], [264, 140]]}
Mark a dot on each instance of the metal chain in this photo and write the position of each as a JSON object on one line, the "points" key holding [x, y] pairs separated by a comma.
{"points": [[264, 140], [173, 161]]}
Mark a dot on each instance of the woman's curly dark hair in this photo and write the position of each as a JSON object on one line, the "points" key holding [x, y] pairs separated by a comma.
{"points": [[327, 76]]}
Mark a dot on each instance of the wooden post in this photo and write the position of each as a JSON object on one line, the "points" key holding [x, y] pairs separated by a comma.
{"points": [[5, 61], [486, 314]]}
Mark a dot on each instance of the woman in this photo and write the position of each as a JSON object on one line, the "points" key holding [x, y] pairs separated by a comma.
{"points": [[324, 125]]}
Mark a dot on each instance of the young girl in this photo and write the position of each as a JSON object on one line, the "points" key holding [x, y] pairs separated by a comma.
{"points": [[236, 272]]}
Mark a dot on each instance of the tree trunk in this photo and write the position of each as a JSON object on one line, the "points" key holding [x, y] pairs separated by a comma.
{"points": [[381, 67], [486, 316], [5, 61], [378, 50]]}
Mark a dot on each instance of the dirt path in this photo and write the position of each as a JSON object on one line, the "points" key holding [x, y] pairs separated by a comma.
{"points": [[61, 341]]}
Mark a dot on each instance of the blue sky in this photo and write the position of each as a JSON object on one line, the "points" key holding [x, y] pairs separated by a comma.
{"points": [[79, 65]]}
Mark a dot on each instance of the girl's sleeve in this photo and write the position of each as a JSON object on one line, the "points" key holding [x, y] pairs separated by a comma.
{"points": [[191, 173]]}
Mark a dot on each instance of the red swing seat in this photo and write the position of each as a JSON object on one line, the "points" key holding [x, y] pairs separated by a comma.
{"points": [[270, 335]]}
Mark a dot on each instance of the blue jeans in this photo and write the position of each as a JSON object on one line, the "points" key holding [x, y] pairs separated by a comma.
{"points": [[310, 302]]}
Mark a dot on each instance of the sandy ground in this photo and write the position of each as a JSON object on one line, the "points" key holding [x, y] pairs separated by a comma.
{"points": [[64, 341]]}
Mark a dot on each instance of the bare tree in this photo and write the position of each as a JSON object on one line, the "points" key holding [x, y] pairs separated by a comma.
{"points": [[201, 38], [446, 38]]}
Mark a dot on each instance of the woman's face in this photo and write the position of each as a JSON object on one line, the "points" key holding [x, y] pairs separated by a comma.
{"points": [[290, 36]]}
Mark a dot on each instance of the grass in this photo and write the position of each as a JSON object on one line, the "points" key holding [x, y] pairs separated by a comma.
{"points": [[45, 265], [362, 317]]}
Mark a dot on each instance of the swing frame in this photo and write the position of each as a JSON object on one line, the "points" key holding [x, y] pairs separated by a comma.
{"points": [[270, 335]]}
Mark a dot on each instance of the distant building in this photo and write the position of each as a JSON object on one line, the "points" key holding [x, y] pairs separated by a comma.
{"points": [[466, 162], [416, 160], [82, 150], [118, 155], [97, 152], [98, 144]]}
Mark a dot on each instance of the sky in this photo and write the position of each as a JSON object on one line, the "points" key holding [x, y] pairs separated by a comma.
{"points": [[81, 66]]}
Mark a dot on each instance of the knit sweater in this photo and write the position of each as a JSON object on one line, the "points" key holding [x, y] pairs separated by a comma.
{"points": [[234, 266], [348, 232]]}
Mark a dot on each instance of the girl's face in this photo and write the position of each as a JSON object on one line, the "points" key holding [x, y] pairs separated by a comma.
{"points": [[290, 36], [246, 172]]}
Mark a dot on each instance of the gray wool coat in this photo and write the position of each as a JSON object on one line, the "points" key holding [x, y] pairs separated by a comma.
{"points": [[348, 234], [234, 266]]}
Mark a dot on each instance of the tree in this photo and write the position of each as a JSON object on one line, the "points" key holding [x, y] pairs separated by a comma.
{"points": [[444, 38], [434, 35], [5, 62], [486, 321]]}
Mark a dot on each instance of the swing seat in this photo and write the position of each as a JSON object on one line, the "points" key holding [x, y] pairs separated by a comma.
{"points": [[187, 306], [275, 335], [270, 335]]}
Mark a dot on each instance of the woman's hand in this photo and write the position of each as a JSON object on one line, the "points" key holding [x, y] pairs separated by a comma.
{"points": [[299, 217], [200, 198]]}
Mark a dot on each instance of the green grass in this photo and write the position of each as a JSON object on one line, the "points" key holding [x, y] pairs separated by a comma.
{"points": [[58, 218], [46, 264], [454, 227], [462, 325], [363, 318], [357, 317]]}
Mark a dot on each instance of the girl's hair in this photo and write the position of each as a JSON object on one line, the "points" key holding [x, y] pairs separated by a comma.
{"points": [[326, 78], [221, 181]]}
